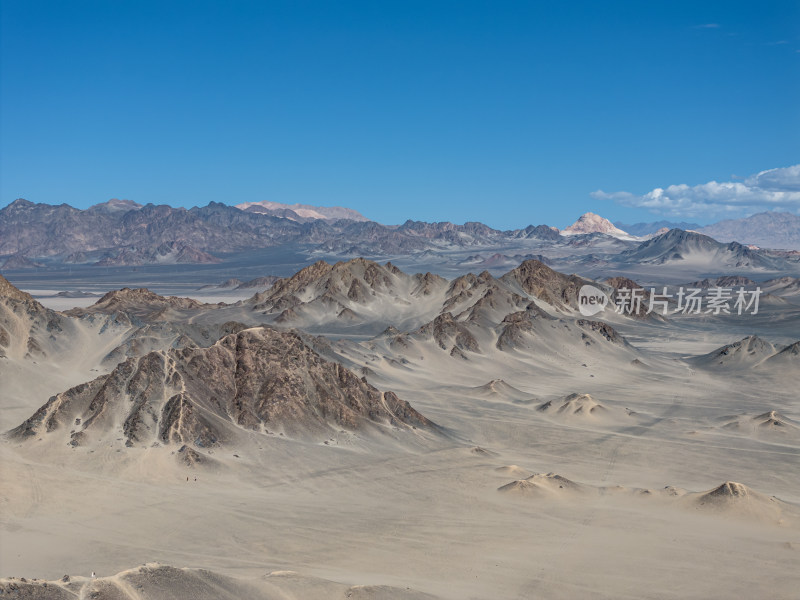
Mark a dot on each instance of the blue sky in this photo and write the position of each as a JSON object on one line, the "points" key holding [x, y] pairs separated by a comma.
{"points": [[508, 113]]}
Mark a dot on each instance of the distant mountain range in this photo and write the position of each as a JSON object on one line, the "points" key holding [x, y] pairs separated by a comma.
{"points": [[124, 233], [677, 245], [645, 229], [766, 229], [779, 230]]}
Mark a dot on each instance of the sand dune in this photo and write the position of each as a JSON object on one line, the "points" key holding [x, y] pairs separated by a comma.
{"points": [[770, 424], [541, 484], [513, 471], [580, 406], [730, 499], [736, 499], [498, 390]]}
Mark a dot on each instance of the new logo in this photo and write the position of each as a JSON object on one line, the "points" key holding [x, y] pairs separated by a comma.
{"points": [[591, 300]]}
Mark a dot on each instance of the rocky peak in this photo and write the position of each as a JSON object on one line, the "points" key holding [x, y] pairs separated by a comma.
{"points": [[592, 223], [116, 205], [116, 299], [10, 292], [257, 379], [537, 279], [20, 204]]}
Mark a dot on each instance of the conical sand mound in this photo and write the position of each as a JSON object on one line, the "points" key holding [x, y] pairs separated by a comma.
{"points": [[728, 491], [773, 419], [769, 425], [575, 405], [542, 485], [514, 471], [737, 499], [499, 390]]}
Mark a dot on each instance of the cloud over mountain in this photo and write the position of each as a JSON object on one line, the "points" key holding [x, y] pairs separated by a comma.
{"points": [[773, 189]]}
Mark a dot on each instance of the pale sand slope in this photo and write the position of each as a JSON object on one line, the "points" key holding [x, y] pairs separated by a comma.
{"points": [[428, 515], [434, 522], [26, 383], [160, 582]]}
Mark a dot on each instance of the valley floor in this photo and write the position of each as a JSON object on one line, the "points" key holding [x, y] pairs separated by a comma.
{"points": [[425, 513]]}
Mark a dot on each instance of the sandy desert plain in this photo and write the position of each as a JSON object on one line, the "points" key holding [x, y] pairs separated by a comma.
{"points": [[178, 448]]}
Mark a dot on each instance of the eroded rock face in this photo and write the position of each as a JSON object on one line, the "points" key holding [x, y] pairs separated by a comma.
{"points": [[427, 283], [25, 325], [604, 329], [140, 302], [354, 282], [256, 379], [517, 325], [449, 334], [276, 298], [540, 281]]}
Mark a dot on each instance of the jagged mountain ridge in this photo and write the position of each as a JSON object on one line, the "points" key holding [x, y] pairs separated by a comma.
{"points": [[530, 309], [765, 229], [140, 302], [121, 233], [645, 229], [20, 261], [26, 327], [165, 253], [357, 295], [751, 351], [677, 246], [258, 379], [63, 232], [770, 229], [362, 291], [347, 291]]}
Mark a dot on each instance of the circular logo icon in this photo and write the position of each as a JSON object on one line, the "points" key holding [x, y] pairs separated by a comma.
{"points": [[591, 300]]}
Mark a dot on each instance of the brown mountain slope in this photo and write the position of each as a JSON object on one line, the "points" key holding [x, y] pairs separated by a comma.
{"points": [[25, 325], [537, 279], [258, 380]]}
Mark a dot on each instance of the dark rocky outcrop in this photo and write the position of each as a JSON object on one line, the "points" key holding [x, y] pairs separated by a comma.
{"points": [[257, 379]]}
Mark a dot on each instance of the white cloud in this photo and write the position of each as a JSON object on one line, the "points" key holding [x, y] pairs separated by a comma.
{"points": [[775, 189]]}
